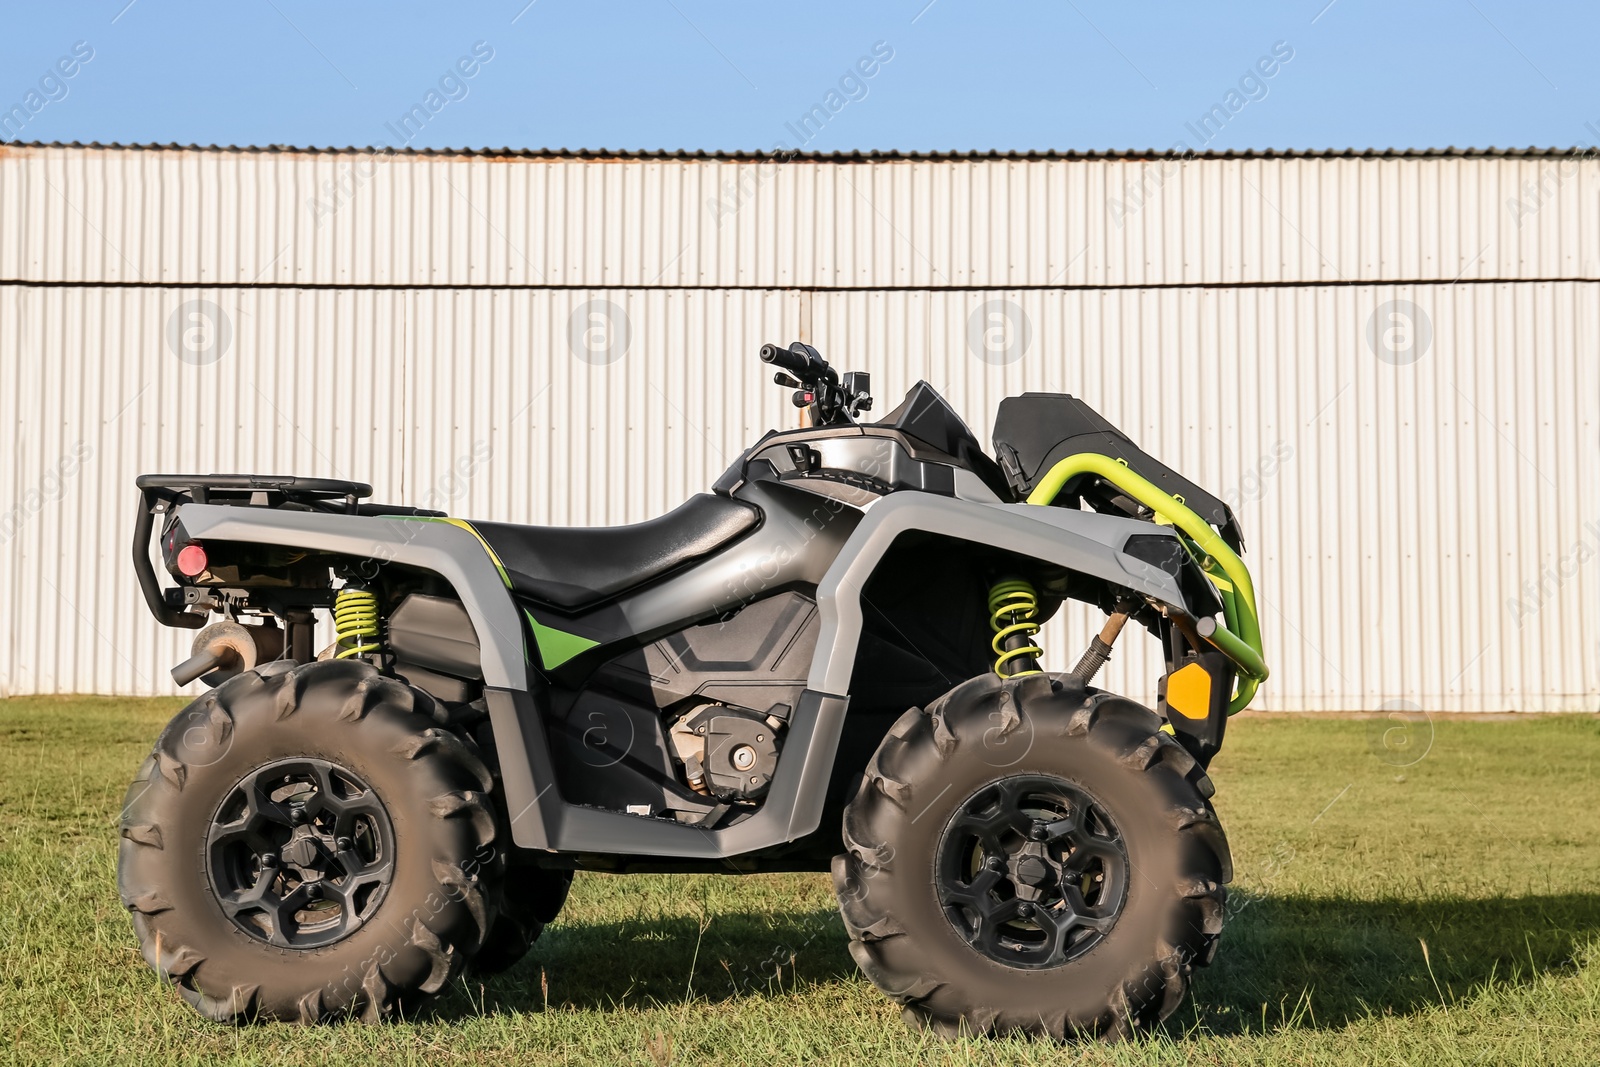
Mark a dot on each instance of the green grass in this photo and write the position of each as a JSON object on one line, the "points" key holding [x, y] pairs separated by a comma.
{"points": [[1444, 912]]}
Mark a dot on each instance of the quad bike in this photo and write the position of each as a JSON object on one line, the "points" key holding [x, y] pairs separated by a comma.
{"points": [[721, 689]]}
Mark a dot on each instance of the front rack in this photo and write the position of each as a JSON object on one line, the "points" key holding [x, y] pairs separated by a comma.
{"points": [[1239, 637]]}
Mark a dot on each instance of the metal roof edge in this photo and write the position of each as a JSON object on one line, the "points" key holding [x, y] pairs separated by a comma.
{"points": [[859, 156]]}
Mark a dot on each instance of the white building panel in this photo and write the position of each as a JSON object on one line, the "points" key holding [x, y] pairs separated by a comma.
{"points": [[470, 401], [227, 216], [1393, 514]]}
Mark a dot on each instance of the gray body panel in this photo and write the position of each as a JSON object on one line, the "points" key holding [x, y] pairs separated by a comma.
{"points": [[856, 468], [540, 819], [1082, 541], [456, 555], [792, 545], [1078, 540], [971, 487]]}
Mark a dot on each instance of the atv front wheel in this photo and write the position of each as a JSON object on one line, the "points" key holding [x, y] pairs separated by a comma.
{"points": [[1027, 857], [307, 843], [530, 900]]}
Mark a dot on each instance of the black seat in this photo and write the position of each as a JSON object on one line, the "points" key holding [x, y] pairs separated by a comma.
{"points": [[573, 566]]}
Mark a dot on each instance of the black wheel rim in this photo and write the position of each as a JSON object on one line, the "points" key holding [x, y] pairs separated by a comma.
{"points": [[1032, 871], [300, 853]]}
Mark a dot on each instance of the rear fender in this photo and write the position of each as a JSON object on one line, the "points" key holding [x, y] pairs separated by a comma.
{"points": [[450, 551]]}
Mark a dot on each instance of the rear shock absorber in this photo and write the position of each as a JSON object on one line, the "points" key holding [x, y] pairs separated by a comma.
{"points": [[1013, 607], [356, 621]]}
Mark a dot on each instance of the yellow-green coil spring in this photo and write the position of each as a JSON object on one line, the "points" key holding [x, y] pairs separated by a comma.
{"points": [[355, 620], [1013, 605]]}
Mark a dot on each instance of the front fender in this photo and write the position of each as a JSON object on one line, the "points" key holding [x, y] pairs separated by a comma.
{"points": [[1082, 541]]}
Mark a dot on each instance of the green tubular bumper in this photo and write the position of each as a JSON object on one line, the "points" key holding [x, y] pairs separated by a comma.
{"points": [[1240, 638]]}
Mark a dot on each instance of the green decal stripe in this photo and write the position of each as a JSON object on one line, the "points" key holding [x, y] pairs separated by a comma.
{"points": [[556, 646], [467, 526]]}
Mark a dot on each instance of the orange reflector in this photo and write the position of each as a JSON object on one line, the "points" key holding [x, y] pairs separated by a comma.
{"points": [[1189, 691]]}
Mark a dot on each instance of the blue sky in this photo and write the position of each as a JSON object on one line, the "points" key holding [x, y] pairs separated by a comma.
{"points": [[709, 74]]}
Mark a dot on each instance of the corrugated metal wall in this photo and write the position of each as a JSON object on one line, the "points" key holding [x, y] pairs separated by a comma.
{"points": [[1392, 513], [573, 341], [303, 218]]}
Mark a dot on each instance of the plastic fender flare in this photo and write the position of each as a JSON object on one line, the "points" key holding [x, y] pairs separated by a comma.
{"points": [[1087, 542]]}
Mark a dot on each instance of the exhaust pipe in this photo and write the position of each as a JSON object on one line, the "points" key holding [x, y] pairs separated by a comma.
{"points": [[227, 649], [203, 662]]}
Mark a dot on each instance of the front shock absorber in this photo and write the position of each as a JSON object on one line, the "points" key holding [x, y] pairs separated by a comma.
{"points": [[1099, 650], [357, 622], [1013, 607]]}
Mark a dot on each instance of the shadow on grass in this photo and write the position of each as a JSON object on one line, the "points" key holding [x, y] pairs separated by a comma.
{"points": [[1325, 962], [1313, 962], [652, 962]]}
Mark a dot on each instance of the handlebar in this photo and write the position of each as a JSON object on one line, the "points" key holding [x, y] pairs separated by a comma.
{"points": [[831, 401], [805, 364]]}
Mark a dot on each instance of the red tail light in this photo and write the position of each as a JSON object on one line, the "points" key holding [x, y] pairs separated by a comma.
{"points": [[191, 561]]}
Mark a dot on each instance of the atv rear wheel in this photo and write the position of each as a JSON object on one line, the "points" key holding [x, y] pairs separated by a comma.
{"points": [[1028, 857], [307, 843]]}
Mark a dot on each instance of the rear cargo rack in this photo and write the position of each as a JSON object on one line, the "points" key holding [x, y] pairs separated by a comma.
{"points": [[202, 488], [160, 493]]}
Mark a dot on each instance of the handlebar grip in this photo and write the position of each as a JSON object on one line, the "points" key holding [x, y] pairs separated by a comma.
{"points": [[795, 362]]}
